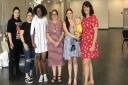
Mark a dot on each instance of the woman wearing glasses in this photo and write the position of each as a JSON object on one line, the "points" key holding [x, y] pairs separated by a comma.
{"points": [[55, 45]]}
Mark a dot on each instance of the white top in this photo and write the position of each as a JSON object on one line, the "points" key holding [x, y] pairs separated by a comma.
{"points": [[38, 29]]}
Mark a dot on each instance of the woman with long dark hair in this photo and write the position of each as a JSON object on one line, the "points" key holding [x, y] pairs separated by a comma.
{"points": [[28, 48], [89, 44], [39, 39], [15, 44], [71, 46]]}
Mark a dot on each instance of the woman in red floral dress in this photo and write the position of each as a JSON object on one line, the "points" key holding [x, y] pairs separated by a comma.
{"points": [[89, 45]]}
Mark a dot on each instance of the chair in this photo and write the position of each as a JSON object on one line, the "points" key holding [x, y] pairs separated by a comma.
{"points": [[125, 40]]}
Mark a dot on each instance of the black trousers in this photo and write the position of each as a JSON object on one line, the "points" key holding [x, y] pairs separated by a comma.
{"points": [[14, 57]]}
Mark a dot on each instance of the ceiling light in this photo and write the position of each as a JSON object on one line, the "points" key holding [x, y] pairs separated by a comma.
{"points": [[61, 0], [49, 1]]}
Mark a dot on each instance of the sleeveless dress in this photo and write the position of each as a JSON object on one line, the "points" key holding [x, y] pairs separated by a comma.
{"points": [[68, 42]]}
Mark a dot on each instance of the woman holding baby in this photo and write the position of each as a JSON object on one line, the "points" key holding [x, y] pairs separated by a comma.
{"points": [[71, 46]]}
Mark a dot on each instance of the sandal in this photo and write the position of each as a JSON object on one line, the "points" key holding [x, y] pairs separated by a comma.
{"points": [[91, 82], [69, 81], [53, 79], [75, 82], [59, 79]]}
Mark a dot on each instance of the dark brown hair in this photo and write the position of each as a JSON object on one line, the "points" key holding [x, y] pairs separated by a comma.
{"points": [[30, 10], [66, 19], [16, 8], [87, 4]]}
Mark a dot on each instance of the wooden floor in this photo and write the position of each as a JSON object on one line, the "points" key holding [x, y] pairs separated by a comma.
{"points": [[110, 69]]}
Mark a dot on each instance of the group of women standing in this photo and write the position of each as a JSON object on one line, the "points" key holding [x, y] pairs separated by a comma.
{"points": [[59, 39]]}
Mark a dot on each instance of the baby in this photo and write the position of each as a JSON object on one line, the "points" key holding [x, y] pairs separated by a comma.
{"points": [[78, 27], [78, 31]]}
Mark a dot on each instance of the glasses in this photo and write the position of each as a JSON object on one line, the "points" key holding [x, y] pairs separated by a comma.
{"points": [[54, 14]]}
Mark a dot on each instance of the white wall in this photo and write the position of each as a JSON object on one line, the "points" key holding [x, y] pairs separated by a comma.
{"points": [[76, 6], [115, 16], [101, 11], [115, 9], [125, 4]]}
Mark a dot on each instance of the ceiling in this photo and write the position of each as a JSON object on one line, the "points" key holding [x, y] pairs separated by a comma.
{"points": [[52, 1]]}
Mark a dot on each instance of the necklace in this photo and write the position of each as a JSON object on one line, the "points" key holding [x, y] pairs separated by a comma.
{"points": [[54, 26]]}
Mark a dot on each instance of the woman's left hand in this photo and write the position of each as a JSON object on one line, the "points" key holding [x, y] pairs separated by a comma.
{"points": [[77, 37], [57, 44], [92, 48]]}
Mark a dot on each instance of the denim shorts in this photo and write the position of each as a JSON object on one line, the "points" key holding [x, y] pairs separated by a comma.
{"points": [[29, 54]]}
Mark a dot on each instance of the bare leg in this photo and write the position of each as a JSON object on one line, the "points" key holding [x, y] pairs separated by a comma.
{"points": [[54, 70], [69, 70], [38, 58], [75, 70], [59, 70], [43, 62], [86, 69], [59, 74], [54, 74], [91, 73]]}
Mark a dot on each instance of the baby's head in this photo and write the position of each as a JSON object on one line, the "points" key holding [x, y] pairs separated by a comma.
{"points": [[78, 20]]}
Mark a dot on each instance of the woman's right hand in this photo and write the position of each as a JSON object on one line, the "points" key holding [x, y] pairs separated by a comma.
{"points": [[34, 45], [11, 45], [25, 46]]}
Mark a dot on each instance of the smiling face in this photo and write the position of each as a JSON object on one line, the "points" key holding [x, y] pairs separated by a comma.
{"points": [[69, 14], [78, 20], [29, 17], [54, 15], [16, 14], [86, 10]]}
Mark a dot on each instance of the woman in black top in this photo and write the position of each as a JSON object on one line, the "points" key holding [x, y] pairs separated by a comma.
{"points": [[28, 48], [13, 30]]}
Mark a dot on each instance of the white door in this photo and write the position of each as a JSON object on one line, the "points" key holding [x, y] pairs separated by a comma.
{"points": [[125, 18]]}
